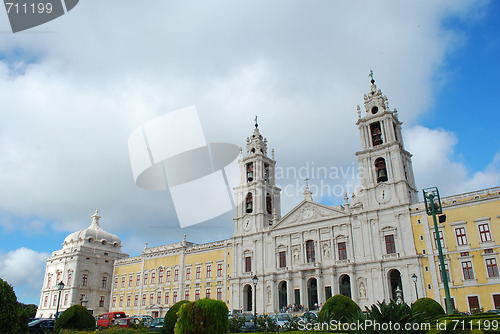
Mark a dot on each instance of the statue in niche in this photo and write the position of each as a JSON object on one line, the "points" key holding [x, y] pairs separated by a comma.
{"points": [[326, 250], [296, 254], [362, 290], [268, 294]]}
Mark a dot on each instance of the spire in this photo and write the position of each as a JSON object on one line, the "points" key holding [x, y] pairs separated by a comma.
{"points": [[256, 143], [95, 218], [307, 192], [375, 101]]}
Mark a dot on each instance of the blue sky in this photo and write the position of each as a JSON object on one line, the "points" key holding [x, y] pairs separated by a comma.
{"points": [[73, 91]]}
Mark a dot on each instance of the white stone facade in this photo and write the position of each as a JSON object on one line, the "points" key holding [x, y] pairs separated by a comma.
{"points": [[85, 266]]}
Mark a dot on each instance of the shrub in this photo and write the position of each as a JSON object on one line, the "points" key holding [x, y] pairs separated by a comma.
{"points": [[171, 317], [203, 316], [265, 324], [12, 319], [338, 307], [427, 309], [76, 317]]}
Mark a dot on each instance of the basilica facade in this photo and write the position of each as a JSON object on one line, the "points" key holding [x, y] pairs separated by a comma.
{"points": [[369, 248]]}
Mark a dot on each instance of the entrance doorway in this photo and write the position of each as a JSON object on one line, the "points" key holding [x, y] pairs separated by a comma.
{"points": [[312, 294]]}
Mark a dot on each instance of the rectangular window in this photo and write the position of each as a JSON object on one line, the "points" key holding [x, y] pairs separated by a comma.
{"points": [[328, 292], [128, 300], [174, 297], [70, 275], [219, 293], [143, 299], [390, 246], [484, 232], [130, 280], [491, 267], [219, 270], [342, 248], [104, 282], [448, 275], [196, 294], [310, 252], [186, 295], [101, 301], [138, 282], [136, 300], [85, 278], [123, 281], [66, 297], [158, 297], [440, 239], [151, 298], [467, 270], [209, 271], [198, 272], [121, 301], [188, 274], [114, 301], [176, 275], [153, 277], [207, 293], [145, 278], [248, 264], [167, 297], [282, 259], [461, 236], [160, 276], [168, 275]]}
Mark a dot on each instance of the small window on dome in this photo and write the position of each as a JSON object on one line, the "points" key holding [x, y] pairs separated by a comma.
{"points": [[115, 244], [91, 240], [103, 242], [374, 110]]}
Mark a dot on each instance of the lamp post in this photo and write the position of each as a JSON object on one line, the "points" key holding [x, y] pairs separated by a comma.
{"points": [[60, 286], [255, 280], [415, 278], [433, 207]]}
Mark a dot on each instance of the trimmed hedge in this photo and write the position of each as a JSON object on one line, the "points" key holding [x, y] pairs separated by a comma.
{"points": [[76, 317], [171, 317], [338, 307], [205, 316], [427, 309]]}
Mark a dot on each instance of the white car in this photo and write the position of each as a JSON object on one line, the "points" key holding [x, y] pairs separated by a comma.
{"points": [[282, 320]]}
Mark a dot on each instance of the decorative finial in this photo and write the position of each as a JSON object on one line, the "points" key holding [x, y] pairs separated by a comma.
{"points": [[95, 218], [184, 239], [359, 111], [371, 76], [307, 192], [272, 154], [256, 124], [145, 246]]}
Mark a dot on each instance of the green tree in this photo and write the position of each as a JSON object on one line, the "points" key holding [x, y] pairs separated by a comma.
{"points": [[205, 316], [339, 308], [11, 317], [171, 317], [76, 317]]}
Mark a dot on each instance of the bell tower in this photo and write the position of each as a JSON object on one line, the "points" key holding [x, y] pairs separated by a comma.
{"points": [[257, 198], [387, 170]]}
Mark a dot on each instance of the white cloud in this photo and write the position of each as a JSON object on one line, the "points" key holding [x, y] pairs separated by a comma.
{"points": [[435, 163], [24, 268], [99, 74]]}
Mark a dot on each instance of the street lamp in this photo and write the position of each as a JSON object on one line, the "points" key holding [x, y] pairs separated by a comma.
{"points": [[60, 286], [415, 278], [433, 207], [255, 280]]}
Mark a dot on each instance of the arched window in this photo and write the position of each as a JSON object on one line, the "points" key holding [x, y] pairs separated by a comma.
{"points": [[250, 172], [376, 133], [269, 204], [310, 252], [381, 170], [249, 203], [266, 172]]}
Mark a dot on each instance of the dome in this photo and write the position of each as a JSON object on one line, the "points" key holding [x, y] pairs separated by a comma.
{"points": [[93, 236]]}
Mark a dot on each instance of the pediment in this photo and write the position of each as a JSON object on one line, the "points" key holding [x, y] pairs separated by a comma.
{"points": [[307, 212]]}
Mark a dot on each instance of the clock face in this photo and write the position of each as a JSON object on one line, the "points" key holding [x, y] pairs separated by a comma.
{"points": [[383, 195], [308, 213], [247, 225]]}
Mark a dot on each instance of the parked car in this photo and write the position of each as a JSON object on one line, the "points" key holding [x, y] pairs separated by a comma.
{"points": [[249, 324], [145, 319], [282, 320], [494, 311], [157, 323], [106, 319], [41, 325], [126, 322], [309, 316]]}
